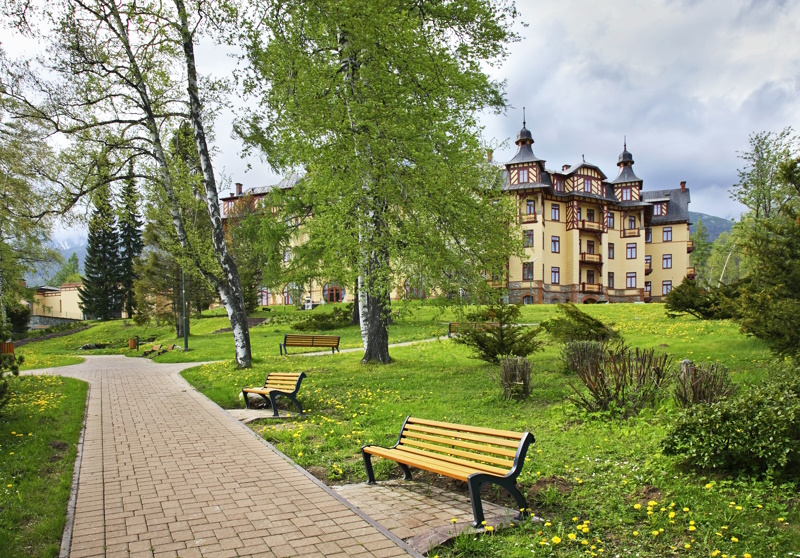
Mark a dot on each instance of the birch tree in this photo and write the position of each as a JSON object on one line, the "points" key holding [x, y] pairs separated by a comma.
{"points": [[376, 102], [117, 76]]}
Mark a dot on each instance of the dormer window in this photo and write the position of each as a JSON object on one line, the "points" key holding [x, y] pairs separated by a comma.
{"points": [[625, 193], [587, 185], [559, 186], [523, 176], [659, 209]]}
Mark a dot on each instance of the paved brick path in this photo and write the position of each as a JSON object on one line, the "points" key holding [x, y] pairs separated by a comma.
{"points": [[166, 472]]}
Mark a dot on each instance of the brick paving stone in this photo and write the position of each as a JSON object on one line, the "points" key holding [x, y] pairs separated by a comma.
{"points": [[164, 467]]}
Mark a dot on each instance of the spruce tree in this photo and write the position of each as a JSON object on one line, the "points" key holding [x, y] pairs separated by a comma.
{"points": [[100, 295], [130, 242]]}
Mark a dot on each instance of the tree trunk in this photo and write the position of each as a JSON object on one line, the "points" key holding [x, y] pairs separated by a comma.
{"points": [[230, 289], [374, 306], [355, 317]]}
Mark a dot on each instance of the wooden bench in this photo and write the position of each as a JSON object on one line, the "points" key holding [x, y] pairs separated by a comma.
{"points": [[294, 340], [151, 350], [456, 327], [275, 384], [167, 349], [471, 454]]}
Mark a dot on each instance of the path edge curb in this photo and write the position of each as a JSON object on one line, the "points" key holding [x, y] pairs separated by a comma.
{"points": [[69, 521]]}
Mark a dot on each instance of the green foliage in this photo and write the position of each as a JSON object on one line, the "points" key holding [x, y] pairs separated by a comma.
{"points": [[8, 364], [581, 355], [757, 431], [712, 303], [70, 272], [100, 296], [704, 383], [623, 382], [702, 249], [497, 334], [338, 318], [572, 324], [130, 240], [19, 318]]}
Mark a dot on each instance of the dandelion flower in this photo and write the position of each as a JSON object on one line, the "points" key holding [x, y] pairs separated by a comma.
{"points": [[637, 506], [571, 536], [734, 539], [556, 539]]}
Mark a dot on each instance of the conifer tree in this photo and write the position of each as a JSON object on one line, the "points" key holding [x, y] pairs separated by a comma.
{"points": [[100, 295], [130, 241]]}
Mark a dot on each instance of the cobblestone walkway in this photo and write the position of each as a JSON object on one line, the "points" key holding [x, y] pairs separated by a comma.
{"points": [[165, 472]]}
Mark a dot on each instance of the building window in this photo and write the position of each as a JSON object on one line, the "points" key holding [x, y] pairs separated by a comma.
{"points": [[610, 280], [559, 187], [587, 185], [527, 299], [287, 255], [580, 214], [630, 280], [666, 261], [666, 287], [555, 275], [625, 194], [332, 292], [527, 271], [555, 212], [631, 222], [530, 207], [590, 276], [648, 235], [555, 244], [610, 220], [658, 209], [647, 287], [523, 176], [610, 250], [648, 261], [263, 297], [527, 239], [630, 251], [289, 292], [666, 236], [590, 215], [590, 246]]}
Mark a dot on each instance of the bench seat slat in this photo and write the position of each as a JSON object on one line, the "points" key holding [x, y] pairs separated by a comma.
{"points": [[455, 461], [409, 435], [467, 428], [463, 436], [433, 465], [507, 463]]}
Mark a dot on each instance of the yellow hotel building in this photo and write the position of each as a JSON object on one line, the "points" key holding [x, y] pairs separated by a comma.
{"points": [[590, 239]]}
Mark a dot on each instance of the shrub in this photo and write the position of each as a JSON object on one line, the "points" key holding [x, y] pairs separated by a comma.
{"points": [[497, 334], [704, 383], [515, 378], [19, 318], [623, 381], [756, 431], [339, 317], [572, 324], [581, 355]]}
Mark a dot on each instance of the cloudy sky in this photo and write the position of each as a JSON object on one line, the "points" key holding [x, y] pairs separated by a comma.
{"points": [[685, 80]]}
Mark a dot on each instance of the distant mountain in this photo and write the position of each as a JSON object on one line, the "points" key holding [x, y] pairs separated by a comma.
{"points": [[66, 248], [715, 225]]}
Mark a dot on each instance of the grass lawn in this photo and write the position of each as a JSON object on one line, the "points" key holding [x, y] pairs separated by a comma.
{"points": [[602, 482], [39, 432]]}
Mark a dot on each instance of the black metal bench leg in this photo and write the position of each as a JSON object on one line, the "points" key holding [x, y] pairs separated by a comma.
{"points": [[296, 402], [368, 466], [522, 505], [474, 485], [246, 405], [274, 403], [406, 471]]}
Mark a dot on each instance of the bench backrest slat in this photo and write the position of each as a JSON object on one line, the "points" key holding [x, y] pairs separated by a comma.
{"points": [[504, 442], [507, 463], [283, 381], [467, 428], [293, 340], [454, 442]]}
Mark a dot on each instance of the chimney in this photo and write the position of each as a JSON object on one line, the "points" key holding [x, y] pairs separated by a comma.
{"points": [[683, 186], [565, 167], [490, 155], [238, 188]]}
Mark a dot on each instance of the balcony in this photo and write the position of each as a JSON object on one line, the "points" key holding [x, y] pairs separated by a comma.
{"points": [[690, 273], [593, 226], [527, 218], [648, 268], [690, 246], [591, 288], [591, 258], [629, 233]]}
